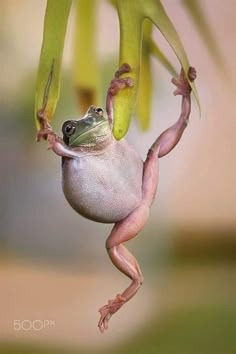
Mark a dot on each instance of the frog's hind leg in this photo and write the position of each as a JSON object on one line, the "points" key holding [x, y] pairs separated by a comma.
{"points": [[125, 230]]}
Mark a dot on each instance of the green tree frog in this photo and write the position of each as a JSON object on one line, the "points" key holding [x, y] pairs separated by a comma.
{"points": [[105, 180]]}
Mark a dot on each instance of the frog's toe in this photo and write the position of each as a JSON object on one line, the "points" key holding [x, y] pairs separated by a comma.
{"points": [[120, 84], [108, 310], [129, 81], [124, 68], [104, 319], [43, 134], [192, 73]]}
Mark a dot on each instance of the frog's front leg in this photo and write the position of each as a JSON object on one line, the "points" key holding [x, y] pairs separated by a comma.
{"points": [[59, 147], [55, 142], [171, 136]]}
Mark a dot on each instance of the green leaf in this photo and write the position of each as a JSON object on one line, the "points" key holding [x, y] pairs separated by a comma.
{"points": [[131, 20], [156, 12], [144, 101], [48, 78], [86, 68], [143, 107], [130, 52]]}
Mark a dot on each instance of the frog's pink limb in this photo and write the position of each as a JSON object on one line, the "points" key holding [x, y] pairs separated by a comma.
{"points": [[58, 146], [170, 137], [129, 227], [116, 85], [55, 142], [123, 231], [45, 127]]}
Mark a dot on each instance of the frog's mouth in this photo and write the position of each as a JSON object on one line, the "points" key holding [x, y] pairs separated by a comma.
{"points": [[87, 135]]}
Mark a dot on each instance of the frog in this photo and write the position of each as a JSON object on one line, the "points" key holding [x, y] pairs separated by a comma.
{"points": [[105, 180]]}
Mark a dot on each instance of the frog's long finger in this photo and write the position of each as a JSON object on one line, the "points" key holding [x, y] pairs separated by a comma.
{"points": [[119, 84], [100, 325], [177, 92], [103, 312], [175, 81], [124, 68], [106, 320], [43, 134], [192, 74]]}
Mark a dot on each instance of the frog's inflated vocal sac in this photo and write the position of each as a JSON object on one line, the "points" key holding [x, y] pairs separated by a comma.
{"points": [[106, 181]]}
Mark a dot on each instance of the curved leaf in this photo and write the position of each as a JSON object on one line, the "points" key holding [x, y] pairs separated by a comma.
{"points": [[48, 78], [149, 47], [156, 12], [143, 107], [130, 52]]}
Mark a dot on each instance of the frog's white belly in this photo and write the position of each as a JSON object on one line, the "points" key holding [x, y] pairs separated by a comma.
{"points": [[105, 187]]}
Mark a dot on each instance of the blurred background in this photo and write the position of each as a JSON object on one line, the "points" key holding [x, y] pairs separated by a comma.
{"points": [[55, 273]]}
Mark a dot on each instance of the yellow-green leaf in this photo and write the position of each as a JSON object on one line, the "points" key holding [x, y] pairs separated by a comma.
{"points": [[48, 78], [131, 16], [143, 107], [144, 101], [131, 20], [156, 12]]}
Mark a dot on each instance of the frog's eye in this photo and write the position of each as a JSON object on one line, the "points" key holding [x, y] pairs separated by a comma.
{"points": [[68, 128], [99, 111]]}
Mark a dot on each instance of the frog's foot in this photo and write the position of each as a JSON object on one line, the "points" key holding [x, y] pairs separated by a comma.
{"points": [[53, 139], [43, 133], [192, 74], [108, 310], [45, 127], [116, 85], [124, 68], [183, 86]]}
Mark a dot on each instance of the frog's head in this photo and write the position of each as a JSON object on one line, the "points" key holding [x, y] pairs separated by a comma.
{"points": [[90, 129]]}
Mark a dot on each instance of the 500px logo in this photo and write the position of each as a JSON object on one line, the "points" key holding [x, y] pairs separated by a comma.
{"points": [[35, 325]]}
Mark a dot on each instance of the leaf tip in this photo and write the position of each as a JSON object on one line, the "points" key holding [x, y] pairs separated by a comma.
{"points": [[119, 132]]}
